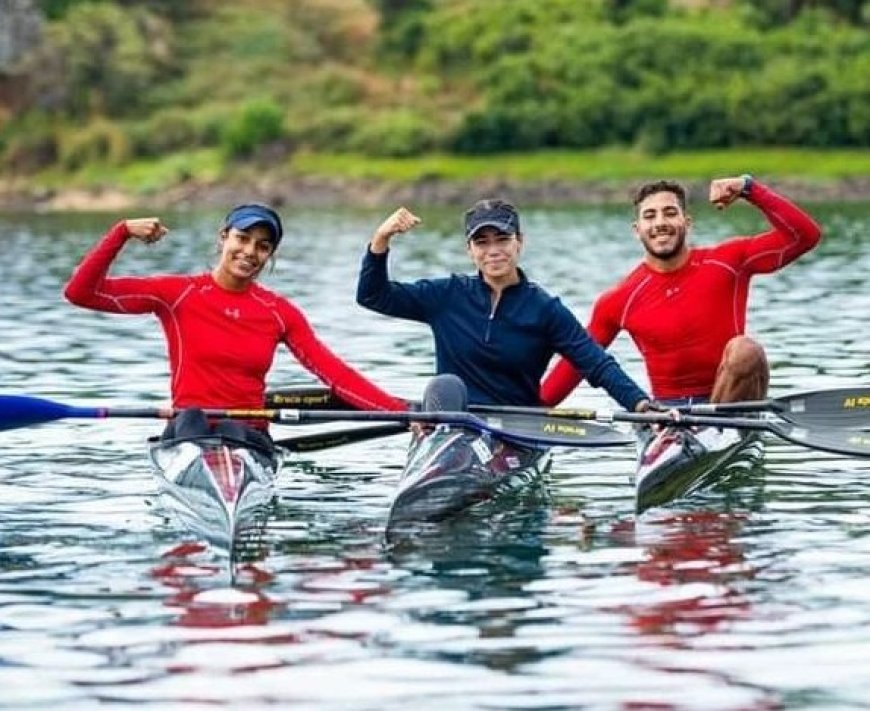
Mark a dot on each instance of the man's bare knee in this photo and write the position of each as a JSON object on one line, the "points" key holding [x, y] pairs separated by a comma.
{"points": [[744, 356], [743, 373]]}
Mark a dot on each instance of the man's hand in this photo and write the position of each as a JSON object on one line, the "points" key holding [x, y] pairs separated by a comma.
{"points": [[725, 191], [400, 221]]}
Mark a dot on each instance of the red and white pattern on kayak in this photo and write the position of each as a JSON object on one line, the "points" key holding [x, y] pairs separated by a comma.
{"points": [[668, 444], [227, 468]]}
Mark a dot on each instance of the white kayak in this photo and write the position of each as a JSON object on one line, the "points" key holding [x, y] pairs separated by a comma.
{"points": [[217, 488], [674, 462]]}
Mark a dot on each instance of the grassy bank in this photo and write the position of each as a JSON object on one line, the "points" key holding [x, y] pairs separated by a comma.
{"points": [[205, 177], [606, 165], [609, 164]]}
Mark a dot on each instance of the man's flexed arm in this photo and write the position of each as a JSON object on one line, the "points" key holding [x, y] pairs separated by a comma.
{"points": [[794, 232]]}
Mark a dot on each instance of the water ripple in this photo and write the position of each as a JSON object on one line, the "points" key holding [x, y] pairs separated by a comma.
{"points": [[750, 596]]}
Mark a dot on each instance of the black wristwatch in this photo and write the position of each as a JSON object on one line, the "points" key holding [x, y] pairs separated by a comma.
{"points": [[748, 182]]}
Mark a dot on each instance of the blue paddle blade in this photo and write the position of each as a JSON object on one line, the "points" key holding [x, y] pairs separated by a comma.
{"points": [[18, 411]]}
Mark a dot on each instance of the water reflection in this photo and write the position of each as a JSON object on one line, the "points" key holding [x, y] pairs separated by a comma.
{"points": [[698, 562], [481, 564], [201, 597], [494, 547]]}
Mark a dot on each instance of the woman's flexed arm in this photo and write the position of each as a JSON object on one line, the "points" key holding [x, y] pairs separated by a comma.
{"points": [[91, 287]]}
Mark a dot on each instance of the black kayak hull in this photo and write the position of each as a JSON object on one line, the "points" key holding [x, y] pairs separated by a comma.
{"points": [[451, 469]]}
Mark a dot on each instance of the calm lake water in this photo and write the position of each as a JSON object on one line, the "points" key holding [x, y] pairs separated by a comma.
{"points": [[752, 597]]}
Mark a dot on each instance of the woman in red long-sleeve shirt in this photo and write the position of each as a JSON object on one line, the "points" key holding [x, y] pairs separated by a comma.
{"points": [[685, 307], [222, 328]]}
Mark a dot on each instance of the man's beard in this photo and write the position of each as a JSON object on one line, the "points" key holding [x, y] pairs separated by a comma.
{"points": [[667, 253]]}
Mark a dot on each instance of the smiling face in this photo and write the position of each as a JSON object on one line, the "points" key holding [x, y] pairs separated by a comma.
{"points": [[243, 255], [662, 227], [496, 254]]}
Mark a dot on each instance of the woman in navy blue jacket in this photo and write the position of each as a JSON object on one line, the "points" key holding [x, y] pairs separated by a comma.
{"points": [[496, 330]]}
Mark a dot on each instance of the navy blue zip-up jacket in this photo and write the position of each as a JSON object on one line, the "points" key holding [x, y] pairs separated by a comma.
{"points": [[501, 355]]}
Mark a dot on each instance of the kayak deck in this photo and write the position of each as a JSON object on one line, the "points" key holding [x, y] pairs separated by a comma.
{"points": [[217, 488], [677, 461], [451, 469]]}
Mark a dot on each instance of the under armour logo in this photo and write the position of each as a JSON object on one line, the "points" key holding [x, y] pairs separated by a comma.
{"points": [[233, 313], [670, 292]]}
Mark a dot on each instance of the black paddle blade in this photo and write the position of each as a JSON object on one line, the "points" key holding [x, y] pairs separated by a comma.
{"points": [[338, 438], [530, 430], [833, 407], [837, 440], [556, 431], [853, 442], [836, 407]]}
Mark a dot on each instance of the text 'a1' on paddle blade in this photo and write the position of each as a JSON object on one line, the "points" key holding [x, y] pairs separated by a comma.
{"points": [[559, 431], [837, 440], [837, 407]]}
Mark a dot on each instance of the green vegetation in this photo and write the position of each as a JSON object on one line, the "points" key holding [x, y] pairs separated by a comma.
{"points": [[142, 95], [604, 164], [149, 176]]}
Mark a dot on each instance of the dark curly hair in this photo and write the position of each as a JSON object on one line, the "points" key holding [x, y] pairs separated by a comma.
{"points": [[660, 186]]}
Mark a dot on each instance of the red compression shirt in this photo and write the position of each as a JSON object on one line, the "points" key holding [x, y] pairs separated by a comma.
{"points": [[221, 343], [681, 320]]}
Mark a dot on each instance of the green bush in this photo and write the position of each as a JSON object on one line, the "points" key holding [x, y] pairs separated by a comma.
{"points": [[854, 92], [57, 9], [259, 121], [519, 127], [29, 149], [395, 134], [171, 130], [98, 142], [404, 29], [327, 131], [463, 35], [329, 86], [679, 82], [480, 77]]}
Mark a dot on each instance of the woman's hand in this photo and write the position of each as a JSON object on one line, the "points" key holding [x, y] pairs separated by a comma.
{"points": [[146, 229], [400, 221], [652, 407]]}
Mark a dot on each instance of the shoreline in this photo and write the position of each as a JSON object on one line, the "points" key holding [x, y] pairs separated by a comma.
{"points": [[324, 192]]}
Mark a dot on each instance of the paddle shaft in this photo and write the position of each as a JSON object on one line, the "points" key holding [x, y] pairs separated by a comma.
{"points": [[838, 407], [847, 406]]}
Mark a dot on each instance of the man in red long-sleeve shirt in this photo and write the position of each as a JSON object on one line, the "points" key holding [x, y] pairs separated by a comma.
{"points": [[685, 307]]}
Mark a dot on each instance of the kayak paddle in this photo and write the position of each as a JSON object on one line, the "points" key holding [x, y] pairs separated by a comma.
{"points": [[22, 411]]}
